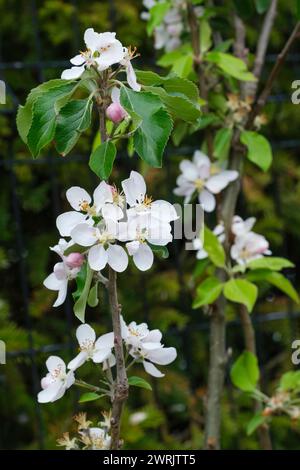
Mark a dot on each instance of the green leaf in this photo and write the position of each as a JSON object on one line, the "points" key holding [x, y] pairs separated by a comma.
{"points": [[24, 114], [222, 143], [102, 159], [259, 149], [93, 296], [262, 5], [183, 66], [270, 262], [169, 58], [245, 372], [161, 251], [179, 132], [205, 36], [89, 396], [44, 112], [81, 276], [208, 291], [255, 423], [178, 106], [171, 83], [80, 305], [213, 248], [290, 380], [155, 127], [231, 65], [74, 118], [242, 292], [276, 279], [157, 14], [139, 382]]}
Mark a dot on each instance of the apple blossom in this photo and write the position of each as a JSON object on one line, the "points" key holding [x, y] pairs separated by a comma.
{"points": [[248, 247], [56, 382], [98, 350], [129, 54], [106, 201], [103, 50], [203, 177], [145, 346], [115, 113], [64, 271], [95, 439]]}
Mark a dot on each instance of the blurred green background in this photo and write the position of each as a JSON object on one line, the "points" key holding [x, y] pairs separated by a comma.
{"points": [[37, 38]]}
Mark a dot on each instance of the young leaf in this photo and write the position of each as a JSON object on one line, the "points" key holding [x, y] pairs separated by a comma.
{"points": [[24, 114], [255, 422], [93, 299], [290, 380], [222, 143], [259, 149], [155, 127], [270, 262], [231, 65], [139, 382], [213, 248], [44, 115], [80, 305], [89, 396], [74, 118], [80, 278], [102, 159], [161, 251], [276, 279], [245, 372], [262, 5], [242, 292], [208, 291]]}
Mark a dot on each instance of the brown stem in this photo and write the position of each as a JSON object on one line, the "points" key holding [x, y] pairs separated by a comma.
{"points": [[121, 382], [121, 387], [250, 345]]}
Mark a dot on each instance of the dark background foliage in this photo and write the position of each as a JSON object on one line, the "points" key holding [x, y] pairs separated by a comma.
{"points": [[36, 40]]}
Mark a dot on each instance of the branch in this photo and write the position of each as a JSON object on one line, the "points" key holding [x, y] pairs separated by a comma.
{"points": [[121, 384], [263, 40]]}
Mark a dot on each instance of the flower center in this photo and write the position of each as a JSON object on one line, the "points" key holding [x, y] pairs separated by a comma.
{"points": [[87, 345], [85, 207], [199, 184]]}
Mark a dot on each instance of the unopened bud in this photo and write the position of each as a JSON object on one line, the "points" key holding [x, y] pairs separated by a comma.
{"points": [[74, 260], [115, 112]]}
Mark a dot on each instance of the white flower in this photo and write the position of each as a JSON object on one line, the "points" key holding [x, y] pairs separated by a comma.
{"points": [[96, 438], [107, 202], [138, 417], [241, 227], [98, 350], [205, 178], [56, 382], [130, 73], [145, 346], [142, 206], [198, 244], [103, 249], [63, 272], [103, 50], [249, 246]]}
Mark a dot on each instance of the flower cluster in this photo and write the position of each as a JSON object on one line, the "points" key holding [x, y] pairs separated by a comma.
{"points": [[246, 244], [89, 437], [102, 224], [142, 344], [204, 178]]}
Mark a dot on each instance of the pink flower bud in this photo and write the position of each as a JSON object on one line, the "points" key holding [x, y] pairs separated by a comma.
{"points": [[74, 260], [115, 112]]}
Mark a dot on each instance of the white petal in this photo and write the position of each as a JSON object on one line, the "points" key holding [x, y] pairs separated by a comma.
{"points": [[85, 334], [101, 355], [105, 341], [201, 159], [159, 233], [143, 258], [201, 254], [113, 55], [216, 183], [154, 336], [102, 194], [62, 294], [152, 370], [55, 362], [70, 379], [91, 39], [84, 235], [164, 211], [52, 283], [162, 356], [134, 188], [189, 170], [97, 257], [50, 393], [76, 196], [117, 258], [110, 362], [113, 212], [80, 359], [67, 221], [77, 60], [207, 200], [115, 95], [131, 77], [60, 271], [73, 73], [132, 247]]}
